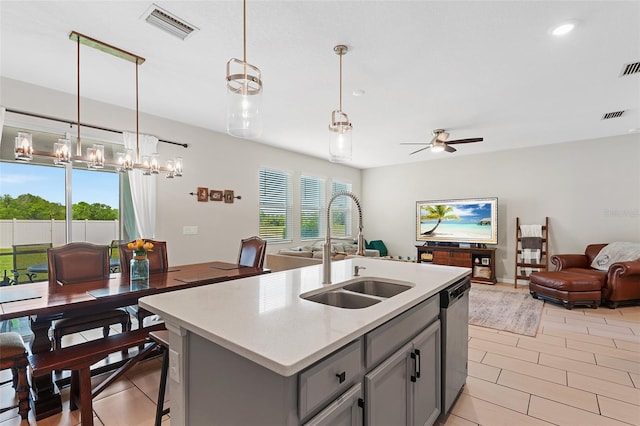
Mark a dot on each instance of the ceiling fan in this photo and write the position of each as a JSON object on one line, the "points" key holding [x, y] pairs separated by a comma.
{"points": [[439, 142]]}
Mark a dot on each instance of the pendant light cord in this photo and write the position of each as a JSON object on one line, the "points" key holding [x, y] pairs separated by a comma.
{"points": [[340, 81], [244, 34], [137, 119], [78, 143]]}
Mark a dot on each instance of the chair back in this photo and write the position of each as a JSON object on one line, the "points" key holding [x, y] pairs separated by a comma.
{"points": [[252, 251], [158, 259], [76, 262], [592, 251]]}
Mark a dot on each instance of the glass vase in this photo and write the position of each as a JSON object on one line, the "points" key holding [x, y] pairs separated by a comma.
{"points": [[139, 270]]}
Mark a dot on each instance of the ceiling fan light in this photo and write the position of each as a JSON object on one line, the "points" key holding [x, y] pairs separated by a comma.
{"points": [[437, 147]]}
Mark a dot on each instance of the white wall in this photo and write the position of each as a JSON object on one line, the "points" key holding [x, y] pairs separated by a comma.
{"points": [[213, 160], [590, 190]]}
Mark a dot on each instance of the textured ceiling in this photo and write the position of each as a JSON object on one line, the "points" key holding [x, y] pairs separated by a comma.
{"points": [[475, 68]]}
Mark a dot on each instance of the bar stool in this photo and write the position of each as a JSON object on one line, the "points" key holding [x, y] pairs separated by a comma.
{"points": [[161, 337], [14, 356]]}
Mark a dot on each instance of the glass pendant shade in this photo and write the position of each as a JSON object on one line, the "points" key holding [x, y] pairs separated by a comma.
{"points": [[179, 167], [24, 147], [340, 133], [95, 157], [244, 98], [62, 151]]}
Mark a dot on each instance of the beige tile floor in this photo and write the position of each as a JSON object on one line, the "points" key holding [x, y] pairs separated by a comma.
{"points": [[582, 369]]}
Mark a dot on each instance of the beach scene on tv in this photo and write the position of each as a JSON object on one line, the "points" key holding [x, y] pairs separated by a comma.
{"points": [[462, 221]]}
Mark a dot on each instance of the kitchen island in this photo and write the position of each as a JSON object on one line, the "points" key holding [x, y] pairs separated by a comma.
{"points": [[252, 351]]}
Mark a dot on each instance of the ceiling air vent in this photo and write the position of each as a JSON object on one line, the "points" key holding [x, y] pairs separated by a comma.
{"points": [[168, 22], [615, 114], [629, 69]]}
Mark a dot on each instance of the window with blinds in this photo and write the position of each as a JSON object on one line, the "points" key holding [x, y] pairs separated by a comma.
{"points": [[312, 206], [341, 211], [275, 205]]}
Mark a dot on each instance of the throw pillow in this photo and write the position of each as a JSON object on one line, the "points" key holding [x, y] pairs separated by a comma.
{"points": [[616, 252]]}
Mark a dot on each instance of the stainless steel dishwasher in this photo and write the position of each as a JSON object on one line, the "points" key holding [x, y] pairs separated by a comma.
{"points": [[454, 320]]}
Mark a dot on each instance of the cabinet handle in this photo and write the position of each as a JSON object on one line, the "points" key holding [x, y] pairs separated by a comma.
{"points": [[341, 376], [414, 376], [418, 362]]}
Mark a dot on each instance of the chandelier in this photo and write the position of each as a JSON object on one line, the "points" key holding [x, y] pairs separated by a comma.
{"points": [[94, 156]]}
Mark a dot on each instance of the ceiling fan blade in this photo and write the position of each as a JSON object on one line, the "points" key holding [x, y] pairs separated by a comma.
{"points": [[470, 140], [449, 148], [421, 149]]}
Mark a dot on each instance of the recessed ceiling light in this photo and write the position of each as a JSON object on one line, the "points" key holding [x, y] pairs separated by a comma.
{"points": [[358, 92], [635, 130], [563, 29]]}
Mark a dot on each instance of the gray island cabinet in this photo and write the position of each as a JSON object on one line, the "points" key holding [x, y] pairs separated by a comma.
{"points": [[252, 352]]}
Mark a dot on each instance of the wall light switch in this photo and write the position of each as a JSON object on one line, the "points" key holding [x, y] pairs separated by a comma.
{"points": [[189, 230]]}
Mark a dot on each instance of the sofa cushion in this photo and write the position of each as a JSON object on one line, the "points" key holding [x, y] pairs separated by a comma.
{"points": [[296, 253], [616, 252], [593, 273]]}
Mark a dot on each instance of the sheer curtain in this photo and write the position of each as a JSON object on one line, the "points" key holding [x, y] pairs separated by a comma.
{"points": [[143, 188], [1, 120]]}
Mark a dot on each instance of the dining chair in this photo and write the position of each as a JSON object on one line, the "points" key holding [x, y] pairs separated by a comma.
{"points": [[158, 262], [14, 356], [75, 263], [252, 251]]}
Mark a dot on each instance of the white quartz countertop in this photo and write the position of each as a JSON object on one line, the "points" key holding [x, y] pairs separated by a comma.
{"points": [[263, 318]]}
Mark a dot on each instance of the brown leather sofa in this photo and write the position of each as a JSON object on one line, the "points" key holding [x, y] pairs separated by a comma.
{"points": [[621, 283]]}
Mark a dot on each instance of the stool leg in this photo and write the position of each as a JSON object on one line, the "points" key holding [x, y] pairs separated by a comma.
{"points": [[163, 385]]}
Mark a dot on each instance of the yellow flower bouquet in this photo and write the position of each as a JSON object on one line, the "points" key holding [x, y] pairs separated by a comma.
{"points": [[140, 247]]}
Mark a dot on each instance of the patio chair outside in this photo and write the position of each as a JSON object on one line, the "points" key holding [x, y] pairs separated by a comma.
{"points": [[30, 263]]}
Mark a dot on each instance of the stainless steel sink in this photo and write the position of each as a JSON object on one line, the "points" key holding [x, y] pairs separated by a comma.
{"points": [[358, 293], [377, 288], [342, 299]]}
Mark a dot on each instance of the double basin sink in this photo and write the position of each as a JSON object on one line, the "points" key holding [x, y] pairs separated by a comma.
{"points": [[358, 293]]}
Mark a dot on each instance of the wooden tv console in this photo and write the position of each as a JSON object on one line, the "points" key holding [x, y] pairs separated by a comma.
{"points": [[480, 260]]}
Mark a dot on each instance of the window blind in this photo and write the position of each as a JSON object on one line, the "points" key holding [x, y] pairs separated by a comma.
{"points": [[341, 211], [275, 205], [312, 207]]}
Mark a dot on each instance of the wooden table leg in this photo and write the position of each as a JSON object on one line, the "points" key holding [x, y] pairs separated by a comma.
{"points": [[45, 397]]}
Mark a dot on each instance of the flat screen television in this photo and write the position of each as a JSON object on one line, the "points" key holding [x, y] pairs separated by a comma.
{"points": [[471, 220]]}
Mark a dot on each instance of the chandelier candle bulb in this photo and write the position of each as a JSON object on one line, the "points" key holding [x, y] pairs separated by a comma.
{"points": [[96, 157], [62, 151], [170, 169], [24, 147], [154, 165], [178, 165]]}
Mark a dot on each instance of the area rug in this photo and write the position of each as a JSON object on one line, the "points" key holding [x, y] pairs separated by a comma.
{"points": [[504, 310]]}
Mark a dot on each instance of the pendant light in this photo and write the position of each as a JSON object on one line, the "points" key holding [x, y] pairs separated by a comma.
{"points": [[340, 127], [244, 93]]}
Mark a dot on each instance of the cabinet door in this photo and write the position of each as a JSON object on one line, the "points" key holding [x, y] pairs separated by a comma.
{"points": [[441, 257], [344, 411], [425, 405], [387, 391]]}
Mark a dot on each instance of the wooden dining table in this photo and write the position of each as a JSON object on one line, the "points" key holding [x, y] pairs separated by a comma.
{"points": [[44, 303]]}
